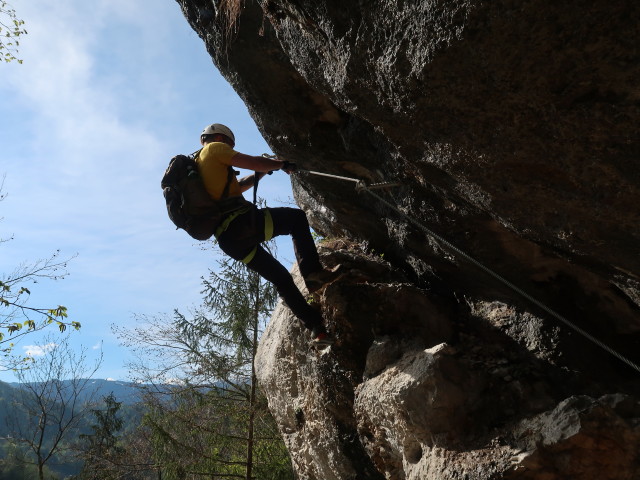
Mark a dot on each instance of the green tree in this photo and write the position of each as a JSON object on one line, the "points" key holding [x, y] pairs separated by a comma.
{"points": [[11, 29], [212, 422], [101, 446], [13, 464], [17, 318], [242, 299]]}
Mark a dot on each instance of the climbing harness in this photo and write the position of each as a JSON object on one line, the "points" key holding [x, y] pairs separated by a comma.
{"points": [[268, 219], [362, 186]]}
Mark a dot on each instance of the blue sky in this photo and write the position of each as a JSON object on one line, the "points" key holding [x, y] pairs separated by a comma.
{"points": [[108, 92]]}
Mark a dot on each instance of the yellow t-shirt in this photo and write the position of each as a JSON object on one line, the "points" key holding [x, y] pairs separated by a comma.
{"points": [[213, 164]]}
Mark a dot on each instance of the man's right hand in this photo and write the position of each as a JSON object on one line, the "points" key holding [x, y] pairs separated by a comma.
{"points": [[289, 167]]}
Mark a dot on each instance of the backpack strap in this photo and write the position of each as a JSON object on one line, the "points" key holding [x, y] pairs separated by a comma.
{"points": [[231, 173]]}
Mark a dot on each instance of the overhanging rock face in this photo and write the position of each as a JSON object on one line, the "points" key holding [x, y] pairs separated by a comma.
{"points": [[512, 130]]}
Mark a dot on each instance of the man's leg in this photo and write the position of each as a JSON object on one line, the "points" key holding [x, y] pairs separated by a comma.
{"points": [[273, 271], [293, 221], [247, 231]]}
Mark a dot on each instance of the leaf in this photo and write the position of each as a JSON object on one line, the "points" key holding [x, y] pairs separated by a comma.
{"points": [[16, 327], [61, 311]]}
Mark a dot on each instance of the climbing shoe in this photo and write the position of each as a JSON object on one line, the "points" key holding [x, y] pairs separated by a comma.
{"points": [[316, 280], [323, 339], [320, 337]]}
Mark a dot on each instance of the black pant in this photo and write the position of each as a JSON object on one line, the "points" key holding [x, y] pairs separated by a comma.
{"points": [[246, 232]]}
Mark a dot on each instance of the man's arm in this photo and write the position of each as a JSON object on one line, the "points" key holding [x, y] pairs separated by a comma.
{"points": [[247, 182], [257, 164]]}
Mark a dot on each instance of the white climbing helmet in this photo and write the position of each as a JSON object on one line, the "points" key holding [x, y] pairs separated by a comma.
{"points": [[219, 128]]}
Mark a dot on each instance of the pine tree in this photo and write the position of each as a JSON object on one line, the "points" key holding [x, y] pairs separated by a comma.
{"points": [[101, 446], [212, 421]]}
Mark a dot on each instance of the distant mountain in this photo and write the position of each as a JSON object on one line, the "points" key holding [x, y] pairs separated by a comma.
{"points": [[126, 392], [6, 390]]}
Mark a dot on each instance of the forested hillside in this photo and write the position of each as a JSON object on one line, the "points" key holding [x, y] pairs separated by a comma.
{"points": [[170, 430], [15, 457]]}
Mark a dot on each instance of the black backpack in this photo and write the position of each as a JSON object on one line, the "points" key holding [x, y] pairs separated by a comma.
{"points": [[189, 205]]}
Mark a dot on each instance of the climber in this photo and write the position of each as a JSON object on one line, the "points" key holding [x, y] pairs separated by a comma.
{"points": [[242, 231]]}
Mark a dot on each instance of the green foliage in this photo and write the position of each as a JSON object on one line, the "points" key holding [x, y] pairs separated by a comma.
{"points": [[108, 425], [102, 445], [205, 432], [238, 304], [17, 318], [317, 238], [213, 423], [11, 29], [14, 464]]}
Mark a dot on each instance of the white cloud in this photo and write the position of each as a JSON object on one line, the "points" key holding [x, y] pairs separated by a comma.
{"points": [[171, 381], [97, 346], [83, 118], [38, 350], [89, 179]]}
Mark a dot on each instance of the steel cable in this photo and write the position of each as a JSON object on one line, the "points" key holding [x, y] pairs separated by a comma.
{"points": [[362, 186]]}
